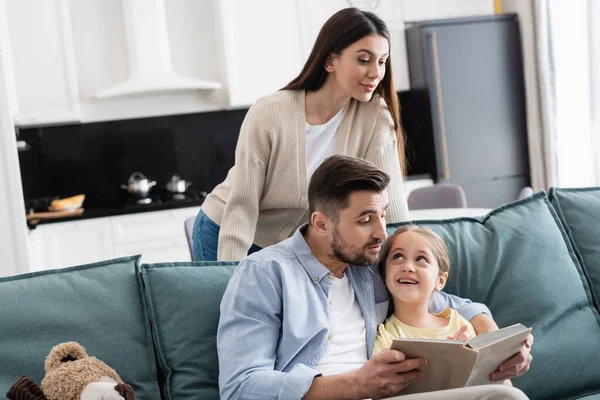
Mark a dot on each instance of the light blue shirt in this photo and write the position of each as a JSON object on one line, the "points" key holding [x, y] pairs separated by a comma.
{"points": [[274, 320]]}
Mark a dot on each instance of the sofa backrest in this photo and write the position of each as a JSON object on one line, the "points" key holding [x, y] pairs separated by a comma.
{"points": [[98, 305], [528, 261], [183, 305], [579, 211]]}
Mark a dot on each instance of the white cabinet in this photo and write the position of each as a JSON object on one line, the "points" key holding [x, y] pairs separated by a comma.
{"points": [[420, 10], [158, 236], [262, 47], [42, 61], [314, 13], [78, 242], [36, 249]]}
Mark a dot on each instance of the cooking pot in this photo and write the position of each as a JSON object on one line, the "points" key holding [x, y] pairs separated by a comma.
{"points": [[138, 185], [177, 185]]}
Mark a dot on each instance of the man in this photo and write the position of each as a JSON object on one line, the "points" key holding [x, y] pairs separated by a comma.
{"points": [[299, 319]]}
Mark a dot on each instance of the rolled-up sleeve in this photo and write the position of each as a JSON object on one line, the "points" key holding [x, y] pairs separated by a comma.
{"points": [[465, 307], [247, 339]]}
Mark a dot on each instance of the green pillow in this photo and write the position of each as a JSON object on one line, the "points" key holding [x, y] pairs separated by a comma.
{"points": [[518, 261], [579, 211], [98, 305], [183, 301]]}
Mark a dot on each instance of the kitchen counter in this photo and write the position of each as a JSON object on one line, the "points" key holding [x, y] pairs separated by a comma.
{"points": [[100, 212]]}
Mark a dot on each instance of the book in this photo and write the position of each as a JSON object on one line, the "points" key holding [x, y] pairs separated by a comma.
{"points": [[454, 364]]}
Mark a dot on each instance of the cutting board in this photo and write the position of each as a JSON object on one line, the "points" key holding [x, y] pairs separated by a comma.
{"points": [[34, 218]]}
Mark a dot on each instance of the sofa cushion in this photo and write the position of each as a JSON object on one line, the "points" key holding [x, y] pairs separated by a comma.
{"points": [[579, 210], [519, 262], [183, 302], [98, 305]]}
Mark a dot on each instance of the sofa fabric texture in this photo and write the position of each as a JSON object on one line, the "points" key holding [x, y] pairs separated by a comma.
{"points": [[98, 305], [579, 211], [183, 305]]}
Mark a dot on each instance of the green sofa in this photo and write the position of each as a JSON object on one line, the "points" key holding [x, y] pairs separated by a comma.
{"points": [[535, 261]]}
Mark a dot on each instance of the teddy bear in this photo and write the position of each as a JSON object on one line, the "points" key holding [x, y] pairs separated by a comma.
{"points": [[71, 374]]}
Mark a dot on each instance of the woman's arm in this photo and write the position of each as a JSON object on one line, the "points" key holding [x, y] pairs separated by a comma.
{"points": [[238, 225], [383, 152]]}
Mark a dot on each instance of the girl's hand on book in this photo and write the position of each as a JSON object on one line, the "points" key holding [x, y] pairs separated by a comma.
{"points": [[461, 334]]}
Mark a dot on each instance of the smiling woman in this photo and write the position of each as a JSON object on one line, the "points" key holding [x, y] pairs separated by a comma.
{"points": [[342, 102]]}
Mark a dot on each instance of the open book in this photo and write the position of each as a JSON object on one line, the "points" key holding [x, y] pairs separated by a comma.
{"points": [[454, 364]]}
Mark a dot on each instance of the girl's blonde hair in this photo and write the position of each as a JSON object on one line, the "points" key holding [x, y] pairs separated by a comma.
{"points": [[438, 247]]}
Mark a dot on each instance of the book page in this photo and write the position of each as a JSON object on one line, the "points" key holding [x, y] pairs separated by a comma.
{"points": [[485, 339]]}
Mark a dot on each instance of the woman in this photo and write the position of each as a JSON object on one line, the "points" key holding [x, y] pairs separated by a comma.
{"points": [[343, 102]]}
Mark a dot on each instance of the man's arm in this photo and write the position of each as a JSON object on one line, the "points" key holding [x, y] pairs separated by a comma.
{"points": [[384, 375], [465, 307], [247, 338]]}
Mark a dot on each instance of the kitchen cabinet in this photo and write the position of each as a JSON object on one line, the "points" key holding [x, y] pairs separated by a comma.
{"points": [[78, 242], [422, 10], [158, 236], [314, 13], [41, 61], [167, 250], [36, 249], [262, 47]]}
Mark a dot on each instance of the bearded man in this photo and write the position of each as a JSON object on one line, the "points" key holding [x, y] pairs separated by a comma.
{"points": [[299, 319]]}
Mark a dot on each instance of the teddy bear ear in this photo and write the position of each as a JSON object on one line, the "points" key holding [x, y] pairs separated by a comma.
{"points": [[25, 389], [64, 352]]}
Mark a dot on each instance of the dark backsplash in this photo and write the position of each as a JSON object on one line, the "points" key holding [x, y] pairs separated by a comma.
{"points": [[96, 158]]}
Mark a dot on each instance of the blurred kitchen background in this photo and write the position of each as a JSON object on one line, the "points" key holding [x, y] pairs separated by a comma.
{"points": [[98, 97]]}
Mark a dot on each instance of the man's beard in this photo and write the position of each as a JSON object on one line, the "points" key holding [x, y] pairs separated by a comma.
{"points": [[349, 254]]}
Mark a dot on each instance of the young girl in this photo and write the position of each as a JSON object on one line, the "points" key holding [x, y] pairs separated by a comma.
{"points": [[342, 102], [414, 264]]}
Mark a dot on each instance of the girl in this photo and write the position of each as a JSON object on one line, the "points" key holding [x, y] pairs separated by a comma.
{"points": [[343, 102], [415, 264]]}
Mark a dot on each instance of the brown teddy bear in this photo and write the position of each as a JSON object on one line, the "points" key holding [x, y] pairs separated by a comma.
{"points": [[72, 375]]}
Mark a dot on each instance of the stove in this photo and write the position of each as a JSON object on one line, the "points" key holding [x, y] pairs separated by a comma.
{"points": [[135, 202], [189, 195], [165, 198]]}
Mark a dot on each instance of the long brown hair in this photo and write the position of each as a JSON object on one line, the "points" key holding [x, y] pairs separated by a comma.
{"points": [[341, 30]]}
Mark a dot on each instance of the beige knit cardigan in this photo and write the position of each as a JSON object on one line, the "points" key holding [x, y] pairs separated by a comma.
{"points": [[264, 197]]}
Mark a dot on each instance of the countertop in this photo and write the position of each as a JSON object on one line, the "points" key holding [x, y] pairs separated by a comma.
{"points": [[100, 212]]}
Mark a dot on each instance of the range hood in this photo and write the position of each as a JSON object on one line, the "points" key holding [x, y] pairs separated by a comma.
{"points": [[149, 55]]}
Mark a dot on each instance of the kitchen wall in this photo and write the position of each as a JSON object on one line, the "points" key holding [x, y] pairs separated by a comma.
{"points": [[95, 158]]}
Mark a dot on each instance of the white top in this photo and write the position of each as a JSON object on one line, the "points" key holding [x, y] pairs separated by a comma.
{"points": [[320, 142], [347, 349]]}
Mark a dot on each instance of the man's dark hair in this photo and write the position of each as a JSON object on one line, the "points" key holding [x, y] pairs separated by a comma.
{"points": [[337, 177]]}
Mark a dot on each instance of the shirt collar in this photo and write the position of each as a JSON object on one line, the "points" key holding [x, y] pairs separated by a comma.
{"points": [[313, 267]]}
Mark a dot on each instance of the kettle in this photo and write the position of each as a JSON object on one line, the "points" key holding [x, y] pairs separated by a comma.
{"points": [[177, 185], [138, 185]]}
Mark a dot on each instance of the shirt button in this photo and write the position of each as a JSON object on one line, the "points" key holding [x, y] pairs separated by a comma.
{"points": [[316, 279], [330, 276], [329, 337], [330, 302]]}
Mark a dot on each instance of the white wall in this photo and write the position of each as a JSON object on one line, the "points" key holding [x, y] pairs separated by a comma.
{"points": [[13, 227]]}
